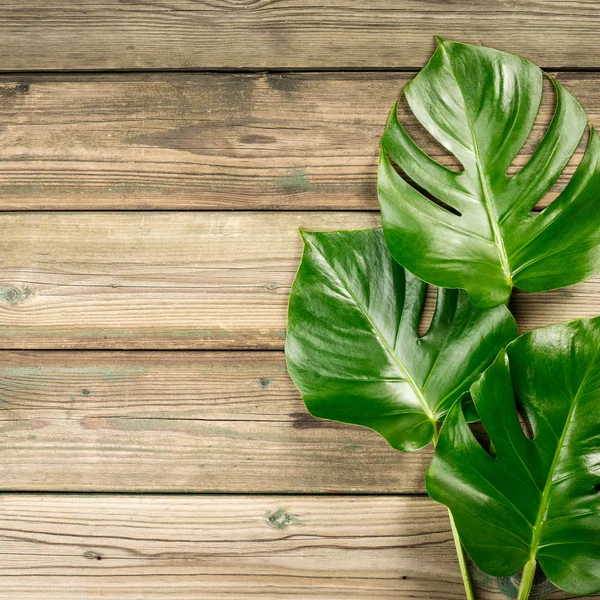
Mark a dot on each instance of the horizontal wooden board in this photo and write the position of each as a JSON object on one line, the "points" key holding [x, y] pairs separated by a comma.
{"points": [[221, 34], [179, 422], [213, 141], [209, 548], [200, 280]]}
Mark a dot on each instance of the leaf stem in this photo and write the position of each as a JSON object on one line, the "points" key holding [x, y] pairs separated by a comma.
{"points": [[460, 554], [527, 579], [436, 434], [462, 561]]}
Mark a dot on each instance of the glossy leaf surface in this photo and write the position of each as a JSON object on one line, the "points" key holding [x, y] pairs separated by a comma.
{"points": [[480, 234], [538, 498], [352, 347]]}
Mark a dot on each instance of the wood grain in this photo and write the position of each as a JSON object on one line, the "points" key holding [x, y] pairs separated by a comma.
{"points": [[179, 422], [213, 141], [201, 280], [127, 547], [194, 420], [259, 34]]}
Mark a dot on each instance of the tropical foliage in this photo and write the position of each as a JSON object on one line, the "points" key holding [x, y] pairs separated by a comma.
{"points": [[353, 345]]}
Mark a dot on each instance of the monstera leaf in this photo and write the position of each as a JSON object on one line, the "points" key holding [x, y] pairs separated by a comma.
{"points": [[352, 347], [480, 234], [537, 499]]}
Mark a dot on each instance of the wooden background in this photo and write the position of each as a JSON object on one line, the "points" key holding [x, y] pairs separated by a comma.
{"points": [[156, 161]]}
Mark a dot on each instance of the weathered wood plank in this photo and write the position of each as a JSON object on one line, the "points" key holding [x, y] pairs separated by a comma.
{"points": [[177, 422], [178, 280], [219, 34], [125, 547], [211, 141]]}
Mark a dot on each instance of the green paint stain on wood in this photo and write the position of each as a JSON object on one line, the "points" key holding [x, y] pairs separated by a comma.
{"points": [[279, 519], [189, 426], [14, 295], [297, 182], [293, 183], [265, 382], [106, 373]]}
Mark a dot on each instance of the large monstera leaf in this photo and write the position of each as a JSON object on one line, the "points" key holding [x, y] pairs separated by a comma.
{"points": [[352, 347], [537, 499], [481, 235]]}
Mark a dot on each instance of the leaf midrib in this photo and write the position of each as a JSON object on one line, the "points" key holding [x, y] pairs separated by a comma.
{"points": [[543, 509], [408, 378], [487, 203]]}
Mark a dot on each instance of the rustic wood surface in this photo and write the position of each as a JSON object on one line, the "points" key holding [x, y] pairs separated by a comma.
{"points": [[307, 141], [283, 34], [186, 547], [179, 422], [178, 280], [153, 445], [71, 547]]}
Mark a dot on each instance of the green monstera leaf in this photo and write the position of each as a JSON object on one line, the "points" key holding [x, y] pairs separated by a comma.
{"points": [[481, 235], [537, 499], [352, 347]]}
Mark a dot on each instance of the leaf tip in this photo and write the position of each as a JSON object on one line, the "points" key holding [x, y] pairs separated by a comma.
{"points": [[305, 235]]}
